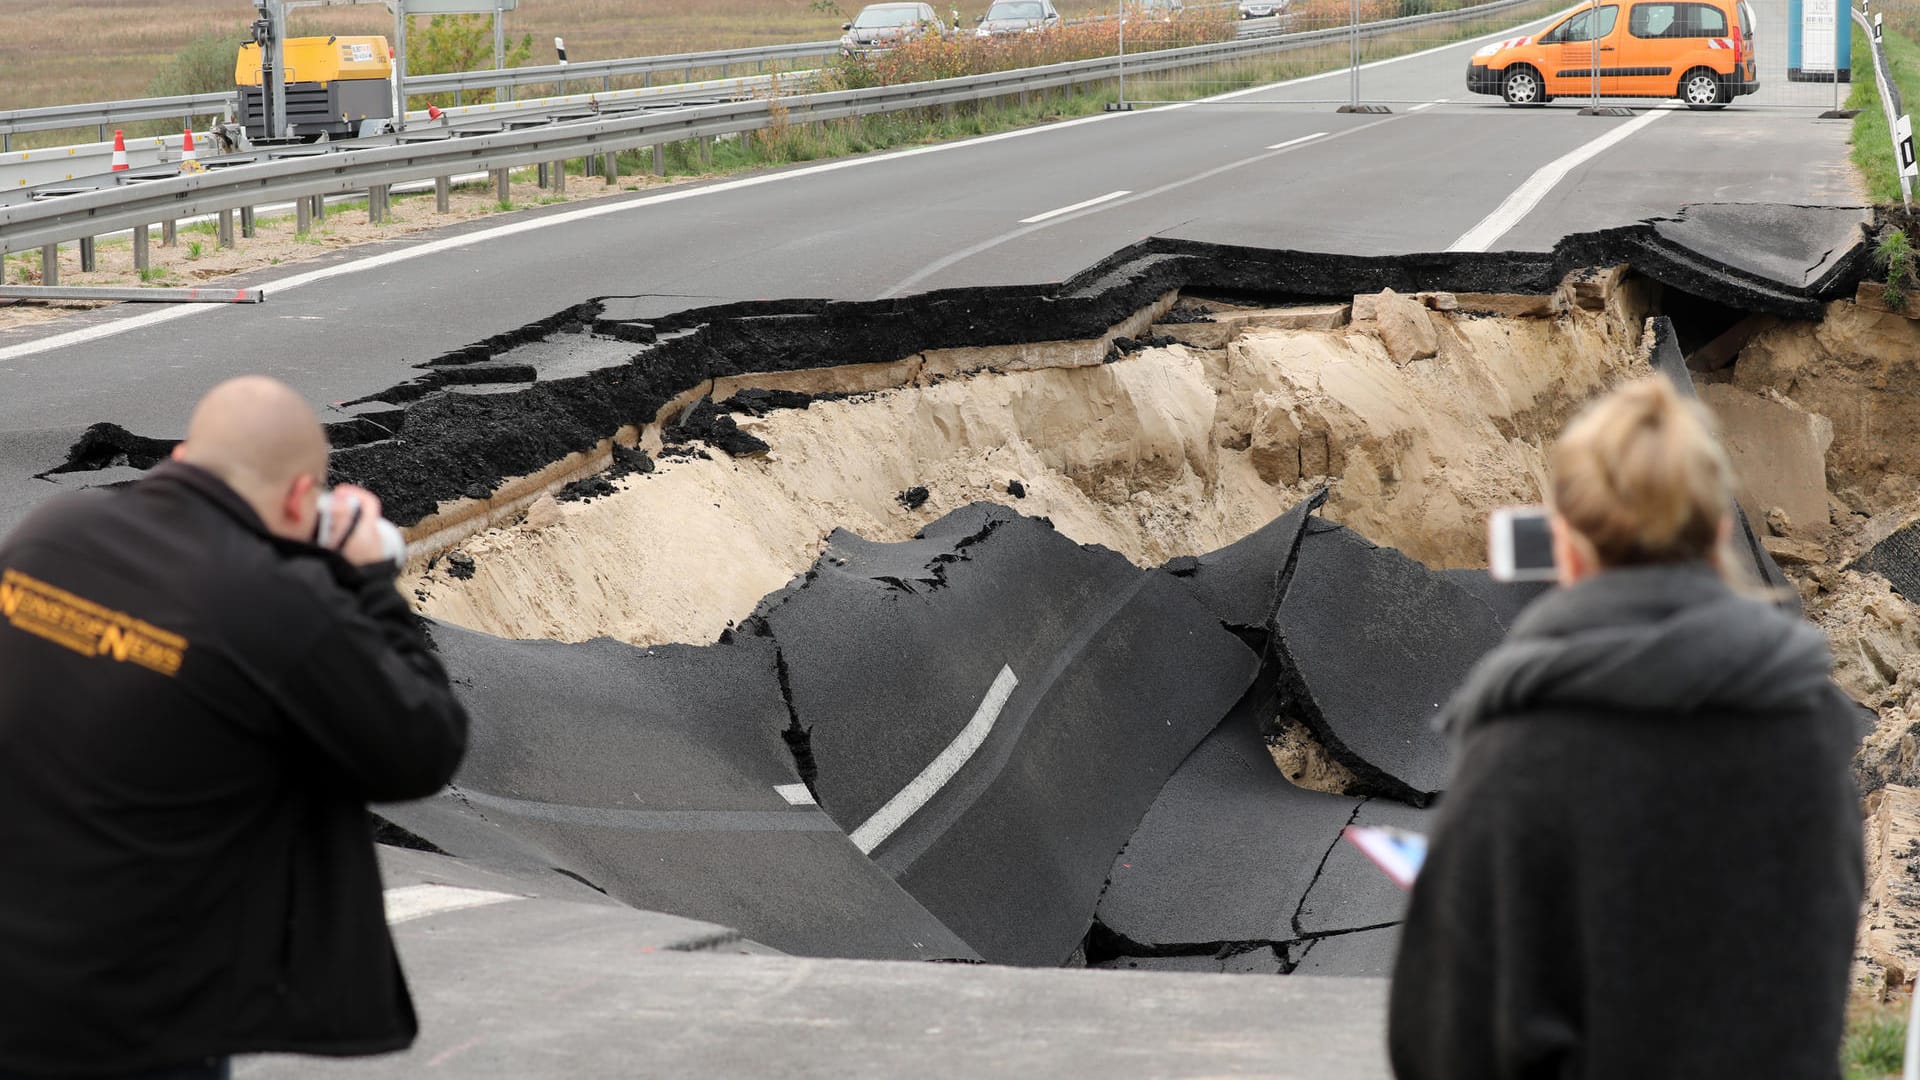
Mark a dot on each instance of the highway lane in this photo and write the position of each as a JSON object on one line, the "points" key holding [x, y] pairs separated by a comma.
{"points": [[929, 218]]}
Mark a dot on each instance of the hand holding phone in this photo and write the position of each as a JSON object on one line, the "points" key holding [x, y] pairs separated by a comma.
{"points": [[1520, 544]]}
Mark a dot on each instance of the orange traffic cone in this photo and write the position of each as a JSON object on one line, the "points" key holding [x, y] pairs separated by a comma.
{"points": [[434, 113], [187, 152], [119, 152]]}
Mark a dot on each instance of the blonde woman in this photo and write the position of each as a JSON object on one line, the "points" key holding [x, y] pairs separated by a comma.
{"points": [[1649, 862]]}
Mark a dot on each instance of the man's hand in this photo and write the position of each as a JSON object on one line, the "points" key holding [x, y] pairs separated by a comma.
{"points": [[362, 547]]}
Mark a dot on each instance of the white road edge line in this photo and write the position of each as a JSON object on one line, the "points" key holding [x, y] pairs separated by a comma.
{"points": [[410, 902], [435, 247], [1298, 141], [1428, 105], [1051, 214], [1528, 195], [940, 770], [795, 794]]}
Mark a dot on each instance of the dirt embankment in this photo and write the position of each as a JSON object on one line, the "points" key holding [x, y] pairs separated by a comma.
{"points": [[1174, 450]]}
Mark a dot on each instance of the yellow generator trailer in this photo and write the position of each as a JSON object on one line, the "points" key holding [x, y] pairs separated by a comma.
{"points": [[334, 85]]}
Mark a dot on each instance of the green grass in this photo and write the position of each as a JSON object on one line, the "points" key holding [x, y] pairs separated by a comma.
{"points": [[1872, 146], [1875, 1045]]}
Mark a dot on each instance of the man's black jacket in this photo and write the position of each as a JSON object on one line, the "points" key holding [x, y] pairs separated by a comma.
{"points": [[1648, 864], [193, 717]]}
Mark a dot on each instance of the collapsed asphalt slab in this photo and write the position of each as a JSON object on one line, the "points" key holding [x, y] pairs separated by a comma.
{"points": [[1223, 861], [1374, 644], [991, 708], [1667, 359], [660, 777]]}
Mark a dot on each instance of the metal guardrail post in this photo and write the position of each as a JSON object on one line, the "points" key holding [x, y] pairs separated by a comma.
{"points": [[503, 186], [560, 177], [246, 223], [659, 159], [302, 216], [443, 195], [169, 233], [377, 204], [1891, 105], [612, 168], [89, 262], [224, 238], [50, 265], [320, 208], [142, 258]]}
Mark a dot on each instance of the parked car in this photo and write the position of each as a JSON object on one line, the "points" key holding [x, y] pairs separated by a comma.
{"points": [[880, 28], [1261, 9], [1700, 51], [1017, 17], [1160, 9]]}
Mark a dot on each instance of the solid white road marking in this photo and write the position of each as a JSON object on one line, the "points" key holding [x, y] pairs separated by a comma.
{"points": [[409, 902], [940, 770], [1298, 141], [1428, 105], [1528, 195], [795, 794], [1108, 197]]}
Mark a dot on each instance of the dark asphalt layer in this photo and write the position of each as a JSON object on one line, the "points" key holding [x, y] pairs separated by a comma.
{"points": [[1373, 705]]}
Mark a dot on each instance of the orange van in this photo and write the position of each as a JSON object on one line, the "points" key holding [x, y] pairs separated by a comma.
{"points": [[1700, 51]]}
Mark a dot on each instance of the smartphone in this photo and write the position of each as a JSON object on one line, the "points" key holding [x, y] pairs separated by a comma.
{"points": [[1396, 851], [1520, 545]]}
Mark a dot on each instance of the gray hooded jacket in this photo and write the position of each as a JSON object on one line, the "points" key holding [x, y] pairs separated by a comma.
{"points": [[1649, 862]]}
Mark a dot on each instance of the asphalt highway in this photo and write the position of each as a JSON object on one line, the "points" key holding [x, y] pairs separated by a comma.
{"points": [[1251, 169]]}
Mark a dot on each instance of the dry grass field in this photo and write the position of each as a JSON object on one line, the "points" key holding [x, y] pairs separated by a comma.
{"points": [[67, 51]]}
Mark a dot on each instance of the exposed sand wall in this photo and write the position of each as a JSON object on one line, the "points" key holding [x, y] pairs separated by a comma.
{"points": [[1165, 452]]}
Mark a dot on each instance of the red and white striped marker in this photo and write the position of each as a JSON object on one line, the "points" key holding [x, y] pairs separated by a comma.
{"points": [[119, 152], [187, 152]]}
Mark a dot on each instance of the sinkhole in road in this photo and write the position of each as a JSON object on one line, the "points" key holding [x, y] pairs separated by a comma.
{"points": [[1072, 624]]}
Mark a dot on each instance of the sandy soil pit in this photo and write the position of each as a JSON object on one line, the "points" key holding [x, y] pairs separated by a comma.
{"points": [[1169, 451]]}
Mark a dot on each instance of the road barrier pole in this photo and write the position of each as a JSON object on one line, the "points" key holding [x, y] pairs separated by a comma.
{"points": [[246, 222], [169, 233], [611, 169], [1353, 56], [503, 185], [50, 265], [225, 237], [320, 208], [88, 263], [302, 216], [442, 195], [659, 159], [377, 204], [142, 258]]}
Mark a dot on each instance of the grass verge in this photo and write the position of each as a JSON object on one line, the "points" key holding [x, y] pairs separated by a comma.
{"points": [[1872, 144], [1875, 1044]]}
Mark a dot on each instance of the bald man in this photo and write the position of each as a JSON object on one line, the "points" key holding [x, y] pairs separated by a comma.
{"points": [[204, 680]]}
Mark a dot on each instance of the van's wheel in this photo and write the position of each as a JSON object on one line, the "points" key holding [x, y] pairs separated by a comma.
{"points": [[1702, 89], [1521, 86]]}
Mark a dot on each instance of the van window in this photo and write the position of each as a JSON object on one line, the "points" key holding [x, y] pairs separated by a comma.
{"points": [[1581, 26], [1676, 21], [1746, 18]]}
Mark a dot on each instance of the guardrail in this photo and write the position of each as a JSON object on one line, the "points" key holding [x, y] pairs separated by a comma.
{"points": [[105, 114], [1899, 125], [374, 170], [102, 115], [605, 71]]}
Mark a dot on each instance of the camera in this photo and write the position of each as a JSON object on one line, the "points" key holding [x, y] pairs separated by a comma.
{"points": [[331, 535]]}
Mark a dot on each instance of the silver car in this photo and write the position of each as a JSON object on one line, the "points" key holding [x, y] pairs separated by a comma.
{"points": [[880, 28], [1017, 17], [1261, 9]]}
